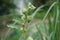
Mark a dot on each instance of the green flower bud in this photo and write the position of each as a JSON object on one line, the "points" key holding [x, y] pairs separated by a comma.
{"points": [[21, 28], [29, 4], [31, 7], [29, 18], [24, 11], [29, 38]]}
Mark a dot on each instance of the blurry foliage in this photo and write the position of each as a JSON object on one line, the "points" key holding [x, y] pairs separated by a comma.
{"points": [[5, 6], [38, 3], [20, 25], [46, 30]]}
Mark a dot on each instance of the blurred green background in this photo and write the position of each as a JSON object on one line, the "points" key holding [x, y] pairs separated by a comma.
{"points": [[44, 25]]}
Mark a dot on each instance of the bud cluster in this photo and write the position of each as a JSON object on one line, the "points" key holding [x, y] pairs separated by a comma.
{"points": [[27, 11]]}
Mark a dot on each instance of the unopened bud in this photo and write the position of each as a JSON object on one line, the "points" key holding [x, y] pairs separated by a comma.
{"points": [[31, 7], [29, 18], [24, 11], [21, 28], [29, 38]]}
